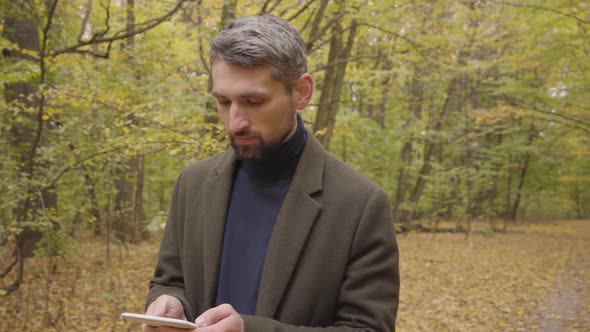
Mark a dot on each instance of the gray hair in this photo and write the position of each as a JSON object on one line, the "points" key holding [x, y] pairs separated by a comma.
{"points": [[260, 40]]}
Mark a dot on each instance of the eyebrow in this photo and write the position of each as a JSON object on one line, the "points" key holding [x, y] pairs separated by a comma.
{"points": [[253, 94]]}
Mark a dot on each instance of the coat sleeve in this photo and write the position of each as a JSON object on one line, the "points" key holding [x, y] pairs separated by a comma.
{"points": [[369, 293], [168, 277]]}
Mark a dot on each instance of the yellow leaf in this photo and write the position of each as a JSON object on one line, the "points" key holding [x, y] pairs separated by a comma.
{"points": [[321, 132]]}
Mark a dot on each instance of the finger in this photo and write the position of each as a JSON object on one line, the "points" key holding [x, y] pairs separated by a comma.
{"points": [[166, 306], [158, 307], [214, 315], [148, 328], [231, 323], [155, 310]]}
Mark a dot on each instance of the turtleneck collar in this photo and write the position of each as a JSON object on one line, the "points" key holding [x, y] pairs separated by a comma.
{"points": [[280, 166]]}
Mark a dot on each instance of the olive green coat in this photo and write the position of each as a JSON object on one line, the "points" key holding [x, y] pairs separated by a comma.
{"points": [[332, 260]]}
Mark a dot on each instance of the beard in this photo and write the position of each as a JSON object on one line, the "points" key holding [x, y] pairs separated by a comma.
{"points": [[265, 148]]}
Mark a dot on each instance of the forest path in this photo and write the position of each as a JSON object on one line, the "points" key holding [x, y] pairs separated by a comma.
{"points": [[568, 308], [536, 277]]}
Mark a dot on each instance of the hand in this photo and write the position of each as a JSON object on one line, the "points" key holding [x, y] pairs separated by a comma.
{"points": [[223, 318], [165, 306]]}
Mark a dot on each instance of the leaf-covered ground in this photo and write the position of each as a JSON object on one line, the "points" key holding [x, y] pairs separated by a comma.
{"points": [[535, 278]]}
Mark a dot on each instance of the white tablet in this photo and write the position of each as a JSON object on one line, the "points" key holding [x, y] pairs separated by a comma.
{"points": [[159, 321]]}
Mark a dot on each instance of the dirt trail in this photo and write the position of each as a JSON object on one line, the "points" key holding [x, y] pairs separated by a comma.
{"points": [[568, 308], [536, 277]]}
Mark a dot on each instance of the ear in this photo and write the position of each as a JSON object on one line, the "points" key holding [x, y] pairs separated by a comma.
{"points": [[303, 91]]}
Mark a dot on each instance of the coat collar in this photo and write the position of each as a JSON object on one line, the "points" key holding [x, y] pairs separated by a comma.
{"points": [[309, 173], [294, 222]]}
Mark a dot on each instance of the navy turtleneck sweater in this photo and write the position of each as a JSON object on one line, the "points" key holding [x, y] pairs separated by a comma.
{"points": [[259, 188]]}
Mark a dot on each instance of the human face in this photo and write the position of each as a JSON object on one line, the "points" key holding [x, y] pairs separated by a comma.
{"points": [[259, 113]]}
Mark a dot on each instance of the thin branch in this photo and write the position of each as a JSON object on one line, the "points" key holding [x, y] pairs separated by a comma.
{"points": [[80, 163], [46, 29], [285, 10], [397, 35], [122, 34], [189, 81], [11, 288], [8, 268], [200, 38], [319, 45], [104, 55], [563, 123], [301, 10], [265, 6], [343, 60], [520, 103], [39, 132], [327, 26], [541, 8], [317, 19], [307, 21], [274, 6], [33, 12], [533, 108], [107, 19]]}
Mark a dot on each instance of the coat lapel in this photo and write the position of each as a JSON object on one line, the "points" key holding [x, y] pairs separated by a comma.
{"points": [[296, 218], [216, 193]]}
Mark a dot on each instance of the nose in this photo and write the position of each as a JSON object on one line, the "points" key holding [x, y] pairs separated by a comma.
{"points": [[238, 120]]}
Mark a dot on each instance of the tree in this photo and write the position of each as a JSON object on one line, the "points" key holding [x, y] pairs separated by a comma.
{"points": [[27, 99], [333, 81], [29, 29]]}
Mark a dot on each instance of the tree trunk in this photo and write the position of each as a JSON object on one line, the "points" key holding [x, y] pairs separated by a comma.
{"points": [[27, 127], [402, 180], [228, 13], [24, 96], [453, 102], [531, 136], [313, 32], [138, 211], [122, 227], [468, 179], [386, 96], [578, 197], [333, 82], [129, 220], [326, 99], [508, 197], [94, 207], [415, 111], [130, 24]]}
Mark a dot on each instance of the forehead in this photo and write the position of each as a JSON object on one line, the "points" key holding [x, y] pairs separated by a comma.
{"points": [[232, 80]]}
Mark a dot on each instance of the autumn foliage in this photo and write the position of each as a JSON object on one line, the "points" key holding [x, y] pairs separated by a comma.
{"points": [[535, 277], [472, 112]]}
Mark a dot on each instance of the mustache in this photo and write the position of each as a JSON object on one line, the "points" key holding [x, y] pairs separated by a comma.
{"points": [[246, 133]]}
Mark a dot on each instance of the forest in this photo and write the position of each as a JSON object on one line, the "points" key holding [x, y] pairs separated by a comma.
{"points": [[473, 115]]}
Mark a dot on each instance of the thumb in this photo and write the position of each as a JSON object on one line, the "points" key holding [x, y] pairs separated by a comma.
{"points": [[214, 315], [166, 306]]}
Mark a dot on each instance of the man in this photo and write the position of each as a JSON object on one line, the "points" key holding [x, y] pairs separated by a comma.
{"points": [[274, 234]]}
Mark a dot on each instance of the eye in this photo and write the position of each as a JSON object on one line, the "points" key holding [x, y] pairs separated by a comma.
{"points": [[255, 101], [223, 101]]}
